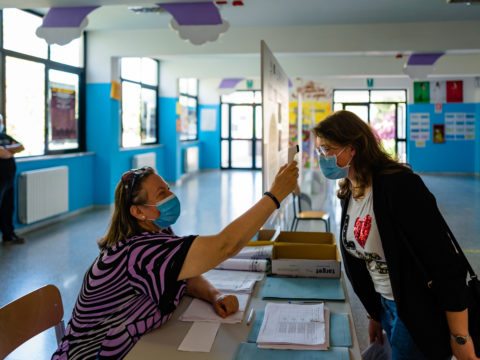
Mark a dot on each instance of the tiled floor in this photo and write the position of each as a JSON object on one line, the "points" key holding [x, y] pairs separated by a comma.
{"points": [[60, 253]]}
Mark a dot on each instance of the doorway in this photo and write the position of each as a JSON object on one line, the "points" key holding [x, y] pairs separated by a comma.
{"points": [[241, 130]]}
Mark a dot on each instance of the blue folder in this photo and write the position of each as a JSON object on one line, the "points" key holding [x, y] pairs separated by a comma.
{"points": [[304, 289], [339, 329], [249, 351]]}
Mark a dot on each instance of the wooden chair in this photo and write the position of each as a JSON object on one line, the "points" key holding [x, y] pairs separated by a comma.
{"points": [[30, 315], [301, 215]]}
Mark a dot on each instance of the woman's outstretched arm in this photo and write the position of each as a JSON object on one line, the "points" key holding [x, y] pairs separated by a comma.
{"points": [[206, 252]]}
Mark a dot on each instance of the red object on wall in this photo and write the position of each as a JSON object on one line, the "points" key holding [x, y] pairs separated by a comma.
{"points": [[221, 2], [237, 3], [455, 91]]}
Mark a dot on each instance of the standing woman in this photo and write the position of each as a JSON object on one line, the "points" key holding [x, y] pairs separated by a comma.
{"points": [[390, 225], [144, 269]]}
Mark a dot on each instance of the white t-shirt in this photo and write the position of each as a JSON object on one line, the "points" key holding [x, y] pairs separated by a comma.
{"points": [[361, 239]]}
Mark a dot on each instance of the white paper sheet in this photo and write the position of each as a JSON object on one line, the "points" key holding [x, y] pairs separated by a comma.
{"points": [[293, 324], [324, 346], [214, 275], [255, 252], [200, 310], [244, 264], [200, 337]]}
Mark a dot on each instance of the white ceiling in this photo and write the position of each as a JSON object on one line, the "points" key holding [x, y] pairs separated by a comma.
{"points": [[114, 13]]}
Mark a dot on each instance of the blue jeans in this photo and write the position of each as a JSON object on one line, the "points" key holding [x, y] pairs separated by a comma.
{"points": [[403, 347]]}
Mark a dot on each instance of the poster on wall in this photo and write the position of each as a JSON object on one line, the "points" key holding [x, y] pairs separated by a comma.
{"points": [[62, 112], [438, 92], [421, 92], [455, 91], [312, 113], [438, 133], [208, 120], [460, 126], [419, 127]]}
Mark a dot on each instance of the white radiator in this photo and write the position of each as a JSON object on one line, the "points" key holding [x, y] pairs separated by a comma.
{"points": [[42, 193], [190, 159], [145, 159]]}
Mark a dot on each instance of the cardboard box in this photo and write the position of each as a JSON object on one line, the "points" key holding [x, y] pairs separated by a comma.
{"points": [[264, 237], [297, 237], [306, 260]]}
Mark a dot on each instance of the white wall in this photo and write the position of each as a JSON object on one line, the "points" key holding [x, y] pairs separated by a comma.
{"points": [[327, 50]]}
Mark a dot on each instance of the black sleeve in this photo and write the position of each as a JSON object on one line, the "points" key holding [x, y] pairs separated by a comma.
{"points": [[415, 210]]}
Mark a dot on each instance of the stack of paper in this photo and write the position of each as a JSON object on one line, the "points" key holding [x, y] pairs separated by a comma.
{"points": [[244, 264], [255, 252], [296, 327], [233, 281], [200, 310]]}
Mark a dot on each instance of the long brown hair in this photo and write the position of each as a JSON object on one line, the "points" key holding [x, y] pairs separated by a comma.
{"points": [[123, 224], [345, 128]]}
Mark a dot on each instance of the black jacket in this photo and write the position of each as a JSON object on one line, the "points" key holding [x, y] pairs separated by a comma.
{"points": [[407, 214], [7, 166]]}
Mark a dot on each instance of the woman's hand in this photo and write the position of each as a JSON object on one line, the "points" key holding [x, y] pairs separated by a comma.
{"points": [[285, 181], [375, 331], [463, 352], [225, 305]]}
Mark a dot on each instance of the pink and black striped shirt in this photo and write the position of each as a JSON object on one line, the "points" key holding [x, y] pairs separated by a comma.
{"points": [[130, 289]]}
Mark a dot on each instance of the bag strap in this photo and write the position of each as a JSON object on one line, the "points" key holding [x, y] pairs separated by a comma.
{"points": [[458, 248], [455, 245]]}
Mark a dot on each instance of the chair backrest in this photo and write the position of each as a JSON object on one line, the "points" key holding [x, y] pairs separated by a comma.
{"points": [[28, 316], [301, 202]]}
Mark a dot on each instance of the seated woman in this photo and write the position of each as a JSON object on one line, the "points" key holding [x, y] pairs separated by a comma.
{"points": [[144, 269]]}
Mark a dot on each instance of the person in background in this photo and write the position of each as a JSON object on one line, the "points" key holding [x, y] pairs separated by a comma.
{"points": [[390, 225], [8, 147], [144, 268]]}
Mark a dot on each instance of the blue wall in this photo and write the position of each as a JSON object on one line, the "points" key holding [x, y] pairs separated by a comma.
{"points": [[80, 178], [452, 156], [477, 139], [210, 142]]}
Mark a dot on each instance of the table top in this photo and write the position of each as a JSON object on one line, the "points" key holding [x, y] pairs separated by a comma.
{"points": [[164, 341]]}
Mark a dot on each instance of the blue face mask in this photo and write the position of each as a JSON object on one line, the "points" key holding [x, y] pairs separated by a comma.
{"points": [[1, 128], [169, 211], [330, 169]]}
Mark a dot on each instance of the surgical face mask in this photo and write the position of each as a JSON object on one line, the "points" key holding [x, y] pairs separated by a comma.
{"points": [[169, 211], [2, 127], [329, 167]]}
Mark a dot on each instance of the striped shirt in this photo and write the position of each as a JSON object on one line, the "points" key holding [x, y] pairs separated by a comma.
{"points": [[130, 289]]}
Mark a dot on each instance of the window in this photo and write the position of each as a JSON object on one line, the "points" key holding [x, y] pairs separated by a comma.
{"points": [[188, 100], [384, 110], [43, 87], [139, 78]]}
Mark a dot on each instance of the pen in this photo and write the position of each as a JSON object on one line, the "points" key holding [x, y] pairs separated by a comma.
{"points": [[251, 316]]}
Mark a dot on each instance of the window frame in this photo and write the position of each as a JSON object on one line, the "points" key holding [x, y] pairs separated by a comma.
{"points": [[229, 138], [49, 65], [190, 96], [396, 102], [142, 86]]}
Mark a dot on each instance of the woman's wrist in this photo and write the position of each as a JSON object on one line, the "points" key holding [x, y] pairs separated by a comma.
{"points": [[273, 198]]}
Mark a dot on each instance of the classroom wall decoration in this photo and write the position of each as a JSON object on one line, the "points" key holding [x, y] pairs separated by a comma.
{"points": [[438, 133], [438, 92], [455, 91], [421, 92], [460, 126], [312, 113], [420, 127]]}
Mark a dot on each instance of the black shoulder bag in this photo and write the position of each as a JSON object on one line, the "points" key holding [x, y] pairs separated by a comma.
{"points": [[473, 286]]}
